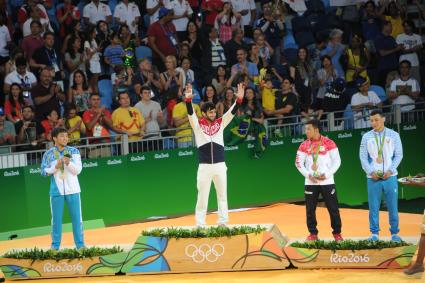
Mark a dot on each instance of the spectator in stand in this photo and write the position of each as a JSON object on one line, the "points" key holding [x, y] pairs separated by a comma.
{"points": [[114, 54], [5, 42], [75, 59], [193, 39], [151, 111], [25, 10], [254, 57], [51, 122], [79, 92], [121, 80], [7, 131], [128, 120], [147, 76], [326, 76], [162, 38], [247, 9], [404, 89], [127, 13], [371, 25], [47, 56], [171, 79], [335, 49], [220, 81], [181, 122], [388, 52], [75, 32], [358, 59], [46, 95], [210, 95], [29, 131], [363, 102], [304, 76], [281, 103], [226, 102], [35, 15], [412, 43], [182, 12], [153, 7], [211, 8], [22, 77], [74, 124], [265, 50], [273, 29], [395, 15], [213, 54], [129, 42], [66, 15], [98, 120], [245, 67], [34, 41], [14, 104], [233, 45], [96, 11], [188, 75], [336, 100], [91, 49], [226, 22]]}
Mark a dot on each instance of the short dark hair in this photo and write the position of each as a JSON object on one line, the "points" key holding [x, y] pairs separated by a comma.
{"points": [[36, 22], [28, 106], [207, 106], [47, 33], [241, 48], [314, 123], [377, 112], [145, 87], [405, 62], [21, 61], [94, 94], [290, 79], [57, 131], [121, 93]]}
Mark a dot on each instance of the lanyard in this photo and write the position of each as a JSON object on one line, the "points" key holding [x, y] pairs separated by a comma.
{"points": [[380, 144], [54, 61], [315, 153]]}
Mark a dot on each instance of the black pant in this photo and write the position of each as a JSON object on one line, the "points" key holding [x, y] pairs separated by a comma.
{"points": [[328, 193]]}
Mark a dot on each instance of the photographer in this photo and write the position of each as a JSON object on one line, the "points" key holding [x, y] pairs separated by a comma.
{"points": [[46, 95], [29, 131], [22, 77]]}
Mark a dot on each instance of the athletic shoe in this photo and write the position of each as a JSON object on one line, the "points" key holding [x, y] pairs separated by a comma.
{"points": [[338, 237], [395, 238], [415, 271], [374, 237], [312, 237]]}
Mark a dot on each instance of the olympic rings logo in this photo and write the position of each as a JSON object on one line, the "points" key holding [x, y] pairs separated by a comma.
{"points": [[204, 252]]}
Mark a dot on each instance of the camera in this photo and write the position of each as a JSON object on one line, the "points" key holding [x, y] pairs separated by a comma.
{"points": [[26, 94]]}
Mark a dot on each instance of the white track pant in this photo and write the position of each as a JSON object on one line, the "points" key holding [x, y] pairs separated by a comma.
{"points": [[218, 174]]}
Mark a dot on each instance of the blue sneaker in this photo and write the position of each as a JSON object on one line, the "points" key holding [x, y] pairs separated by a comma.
{"points": [[374, 237], [395, 238]]}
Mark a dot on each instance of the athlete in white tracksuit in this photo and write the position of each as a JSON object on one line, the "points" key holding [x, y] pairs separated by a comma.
{"points": [[63, 164], [209, 139]]}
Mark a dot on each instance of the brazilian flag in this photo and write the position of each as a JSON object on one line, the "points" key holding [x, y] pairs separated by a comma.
{"points": [[243, 126]]}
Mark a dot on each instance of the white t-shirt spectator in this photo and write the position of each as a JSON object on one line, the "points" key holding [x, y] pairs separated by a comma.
{"points": [[14, 77], [240, 5], [95, 14], [152, 4], [403, 88], [151, 108], [26, 28], [180, 7], [410, 41], [95, 59], [361, 118], [127, 14], [4, 40]]}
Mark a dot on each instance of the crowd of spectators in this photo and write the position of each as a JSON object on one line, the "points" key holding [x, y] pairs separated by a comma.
{"points": [[101, 68]]}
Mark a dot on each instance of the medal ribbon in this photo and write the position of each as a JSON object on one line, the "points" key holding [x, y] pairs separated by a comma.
{"points": [[315, 154], [380, 144]]}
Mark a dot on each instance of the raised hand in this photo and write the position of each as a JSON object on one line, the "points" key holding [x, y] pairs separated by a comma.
{"points": [[241, 91], [188, 91]]}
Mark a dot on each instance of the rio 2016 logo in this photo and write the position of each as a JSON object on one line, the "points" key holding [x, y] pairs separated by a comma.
{"points": [[350, 258], [204, 252], [63, 267]]}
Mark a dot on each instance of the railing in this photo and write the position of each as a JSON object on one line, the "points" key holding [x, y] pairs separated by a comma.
{"points": [[115, 145]]}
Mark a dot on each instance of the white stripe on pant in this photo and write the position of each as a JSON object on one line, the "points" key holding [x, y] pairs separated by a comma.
{"points": [[218, 174]]}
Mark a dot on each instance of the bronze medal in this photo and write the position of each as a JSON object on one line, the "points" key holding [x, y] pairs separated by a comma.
{"points": [[379, 160], [314, 167]]}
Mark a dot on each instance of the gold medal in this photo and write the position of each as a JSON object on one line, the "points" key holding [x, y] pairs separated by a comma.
{"points": [[379, 160], [314, 167]]}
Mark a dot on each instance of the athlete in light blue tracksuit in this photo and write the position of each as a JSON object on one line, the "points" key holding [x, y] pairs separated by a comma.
{"points": [[380, 154], [63, 164]]}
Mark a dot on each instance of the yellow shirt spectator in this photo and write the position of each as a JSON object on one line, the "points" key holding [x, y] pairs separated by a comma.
{"points": [[180, 111], [128, 119], [75, 136], [269, 98], [397, 25]]}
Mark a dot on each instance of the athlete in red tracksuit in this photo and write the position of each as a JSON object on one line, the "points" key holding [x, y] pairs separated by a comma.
{"points": [[318, 160], [208, 133]]}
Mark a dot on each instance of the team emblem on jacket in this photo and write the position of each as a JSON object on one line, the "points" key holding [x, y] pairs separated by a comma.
{"points": [[210, 128]]}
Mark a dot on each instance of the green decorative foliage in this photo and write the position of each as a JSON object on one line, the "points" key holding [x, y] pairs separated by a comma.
{"points": [[210, 232], [39, 254], [348, 245]]}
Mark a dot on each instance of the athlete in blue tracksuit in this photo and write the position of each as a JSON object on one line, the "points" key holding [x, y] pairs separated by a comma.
{"points": [[63, 164], [381, 152]]}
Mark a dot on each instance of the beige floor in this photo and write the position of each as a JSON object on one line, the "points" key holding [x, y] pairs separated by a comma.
{"points": [[289, 218]]}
